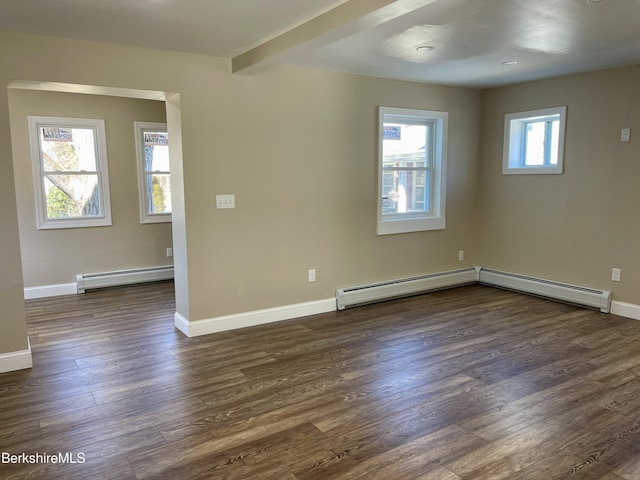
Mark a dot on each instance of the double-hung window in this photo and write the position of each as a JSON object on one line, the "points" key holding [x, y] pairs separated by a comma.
{"points": [[534, 141], [411, 170], [154, 178], [69, 160]]}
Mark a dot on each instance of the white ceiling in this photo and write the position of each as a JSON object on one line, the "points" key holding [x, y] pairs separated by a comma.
{"points": [[470, 38]]}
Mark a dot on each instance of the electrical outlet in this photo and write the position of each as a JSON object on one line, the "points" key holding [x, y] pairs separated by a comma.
{"points": [[312, 275], [625, 135], [461, 255], [615, 274], [169, 252]]}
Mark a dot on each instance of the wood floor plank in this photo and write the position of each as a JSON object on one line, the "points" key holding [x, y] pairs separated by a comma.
{"points": [[559, 466], [503, 457], [472, 383], [531, 409], [438, 473], [409, 460], [108, 469], [630, 469], [266, 457]]}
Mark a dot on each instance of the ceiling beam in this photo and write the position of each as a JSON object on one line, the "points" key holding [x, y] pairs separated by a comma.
{"points": [[346, 19]]}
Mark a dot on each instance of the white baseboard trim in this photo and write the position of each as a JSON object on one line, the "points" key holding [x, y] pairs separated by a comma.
{"points": [[250, 319], [43, 291], [16, 360], [181, 323], [624, 309]]}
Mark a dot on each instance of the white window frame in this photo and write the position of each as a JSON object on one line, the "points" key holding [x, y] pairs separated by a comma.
{"points": [[417, 221], [145, 215], [513, 159], [43, 223]]}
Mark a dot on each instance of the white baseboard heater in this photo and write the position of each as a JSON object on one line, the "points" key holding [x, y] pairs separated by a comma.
{"points": [[589, 297], [376, 292], [87, 281]]}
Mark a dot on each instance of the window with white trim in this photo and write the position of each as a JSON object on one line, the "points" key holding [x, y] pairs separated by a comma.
{"points": [[534, 141], [412, 153], [154, 178], [71, 183]]}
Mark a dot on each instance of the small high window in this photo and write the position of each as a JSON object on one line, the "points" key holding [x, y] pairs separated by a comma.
{"points": [[534, 141]]}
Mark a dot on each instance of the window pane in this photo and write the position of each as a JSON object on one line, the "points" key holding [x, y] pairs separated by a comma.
{"points": [[158, 193], [389, 195], [555, 137], [152, 151], [406, 191], [405, 145], [68, 149], [534, 143], [72, 196], [156, 151]]}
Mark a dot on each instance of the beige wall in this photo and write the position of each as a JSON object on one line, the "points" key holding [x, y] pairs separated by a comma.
{"points": [[13, 329], [297, 148], [576, 226], [55, 256]]}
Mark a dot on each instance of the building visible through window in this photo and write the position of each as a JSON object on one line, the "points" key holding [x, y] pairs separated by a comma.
{"points": [[412, 167]]}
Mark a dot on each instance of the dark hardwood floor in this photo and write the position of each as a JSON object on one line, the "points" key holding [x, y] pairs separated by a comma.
{"points": [[471, 383]]}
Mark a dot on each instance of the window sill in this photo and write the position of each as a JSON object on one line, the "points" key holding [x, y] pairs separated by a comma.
{"points": [[393, 226], [157, 218], [52, 224], [532, 171]]}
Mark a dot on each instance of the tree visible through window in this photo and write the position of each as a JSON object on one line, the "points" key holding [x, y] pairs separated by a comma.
{"points": [[154, 176], [70, 172]]}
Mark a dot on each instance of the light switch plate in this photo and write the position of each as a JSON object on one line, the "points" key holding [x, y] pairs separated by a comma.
{"points": [[225, 201]]}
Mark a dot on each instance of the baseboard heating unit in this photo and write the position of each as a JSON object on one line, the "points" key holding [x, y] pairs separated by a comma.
{"points": [[86, 281], [588, 297], [376, 292]]}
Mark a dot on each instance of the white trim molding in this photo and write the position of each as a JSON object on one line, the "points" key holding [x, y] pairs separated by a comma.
{"points": [[249, 319], [181, 323], [16, 360], [42, 291], [624, 309]]}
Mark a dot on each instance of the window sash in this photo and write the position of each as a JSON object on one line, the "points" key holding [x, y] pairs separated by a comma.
{"points": [[551, 125], [69, 197], [155, 201]]}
